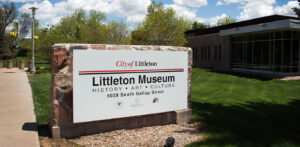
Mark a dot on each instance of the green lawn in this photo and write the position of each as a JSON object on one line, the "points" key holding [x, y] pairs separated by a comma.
{"points": [[40, 85], [236, 111], [231, 110]]}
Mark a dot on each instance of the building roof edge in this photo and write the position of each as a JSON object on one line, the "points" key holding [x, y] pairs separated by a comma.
{"points": [[260, 20]]}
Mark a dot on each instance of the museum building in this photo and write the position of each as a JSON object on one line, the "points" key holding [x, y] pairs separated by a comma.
{"points": [[267, 45]]}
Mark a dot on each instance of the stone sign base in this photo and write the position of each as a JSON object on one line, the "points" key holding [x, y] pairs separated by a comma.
{"points": [[61, 113], [80, 129]]}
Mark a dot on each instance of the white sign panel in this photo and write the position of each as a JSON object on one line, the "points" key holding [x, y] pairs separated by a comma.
{"points": [[111, 84]]}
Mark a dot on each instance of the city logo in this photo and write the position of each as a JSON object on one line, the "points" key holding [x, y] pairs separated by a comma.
{"points": [[124, 64], [155, 100], [131, 64]]}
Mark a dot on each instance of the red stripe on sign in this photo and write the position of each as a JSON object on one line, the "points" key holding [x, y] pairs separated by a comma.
{"points": [[116, 71]]}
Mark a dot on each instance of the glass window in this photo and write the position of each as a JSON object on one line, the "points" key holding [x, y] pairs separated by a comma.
{"points": [[271, 43], [278, 35], [286, 56], [256, 37], [273, 51], [257, 53], [205, 53], [220, 52], [249, 37], [195, 53], [272, 35], [296, 35], [249, 54], [208, 53], [287, 34], [295, 56], [202, 53], [237, 39], [261, 36], [237, 53], [216, 53], [277, 56], [265, 52]]}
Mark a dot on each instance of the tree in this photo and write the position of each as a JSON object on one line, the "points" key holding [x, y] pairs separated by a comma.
{"points": [[25, 15], [226, 20], [7, 14], [92, 27], [71, 27], [160, 27], [117, 32], [81, 27], [297, 10], [199, 25], [93, 30]]}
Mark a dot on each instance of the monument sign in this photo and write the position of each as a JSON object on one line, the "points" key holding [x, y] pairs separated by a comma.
{"points": [[97, 88]]}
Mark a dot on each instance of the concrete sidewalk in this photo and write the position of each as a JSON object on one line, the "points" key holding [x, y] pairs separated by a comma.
{"points": [[17, 119]]}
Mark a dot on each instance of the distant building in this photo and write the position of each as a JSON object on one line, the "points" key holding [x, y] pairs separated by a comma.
{"points": [[267, 45]]}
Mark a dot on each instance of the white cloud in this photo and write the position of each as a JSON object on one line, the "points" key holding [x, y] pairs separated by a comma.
{"points": [[183, 11], [18, 1], [9, 27], [286, 9], [133, 10], [219, 3], [226, 2], [135, 18], [47, 11], [212, 20], [258, 8], [191, 3]]}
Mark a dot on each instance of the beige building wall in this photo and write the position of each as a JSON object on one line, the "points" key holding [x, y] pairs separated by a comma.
{"points": [[219, 59]]}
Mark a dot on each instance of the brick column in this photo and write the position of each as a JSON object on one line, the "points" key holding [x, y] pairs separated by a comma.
{"points": [[21, 64], [9, 64], [29, 64]]}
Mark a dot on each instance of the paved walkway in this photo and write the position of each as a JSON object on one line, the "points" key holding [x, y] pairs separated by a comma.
{"points": [[17, 119], [291, 78]]}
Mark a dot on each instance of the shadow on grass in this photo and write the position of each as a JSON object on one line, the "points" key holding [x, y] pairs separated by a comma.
{"points": [[256, 76], [252, 124]]}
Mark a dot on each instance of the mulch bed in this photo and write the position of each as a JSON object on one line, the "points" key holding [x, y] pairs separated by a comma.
{"points": [[146, 136]]}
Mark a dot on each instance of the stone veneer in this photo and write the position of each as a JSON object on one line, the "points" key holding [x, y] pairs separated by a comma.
{"points": [[61, 113]]}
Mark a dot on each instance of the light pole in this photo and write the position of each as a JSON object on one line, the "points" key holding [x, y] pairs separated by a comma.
{"points": [[32, 36]]}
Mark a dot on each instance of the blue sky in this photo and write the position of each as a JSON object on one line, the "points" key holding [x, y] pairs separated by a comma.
{"points": [[134, 11]]}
